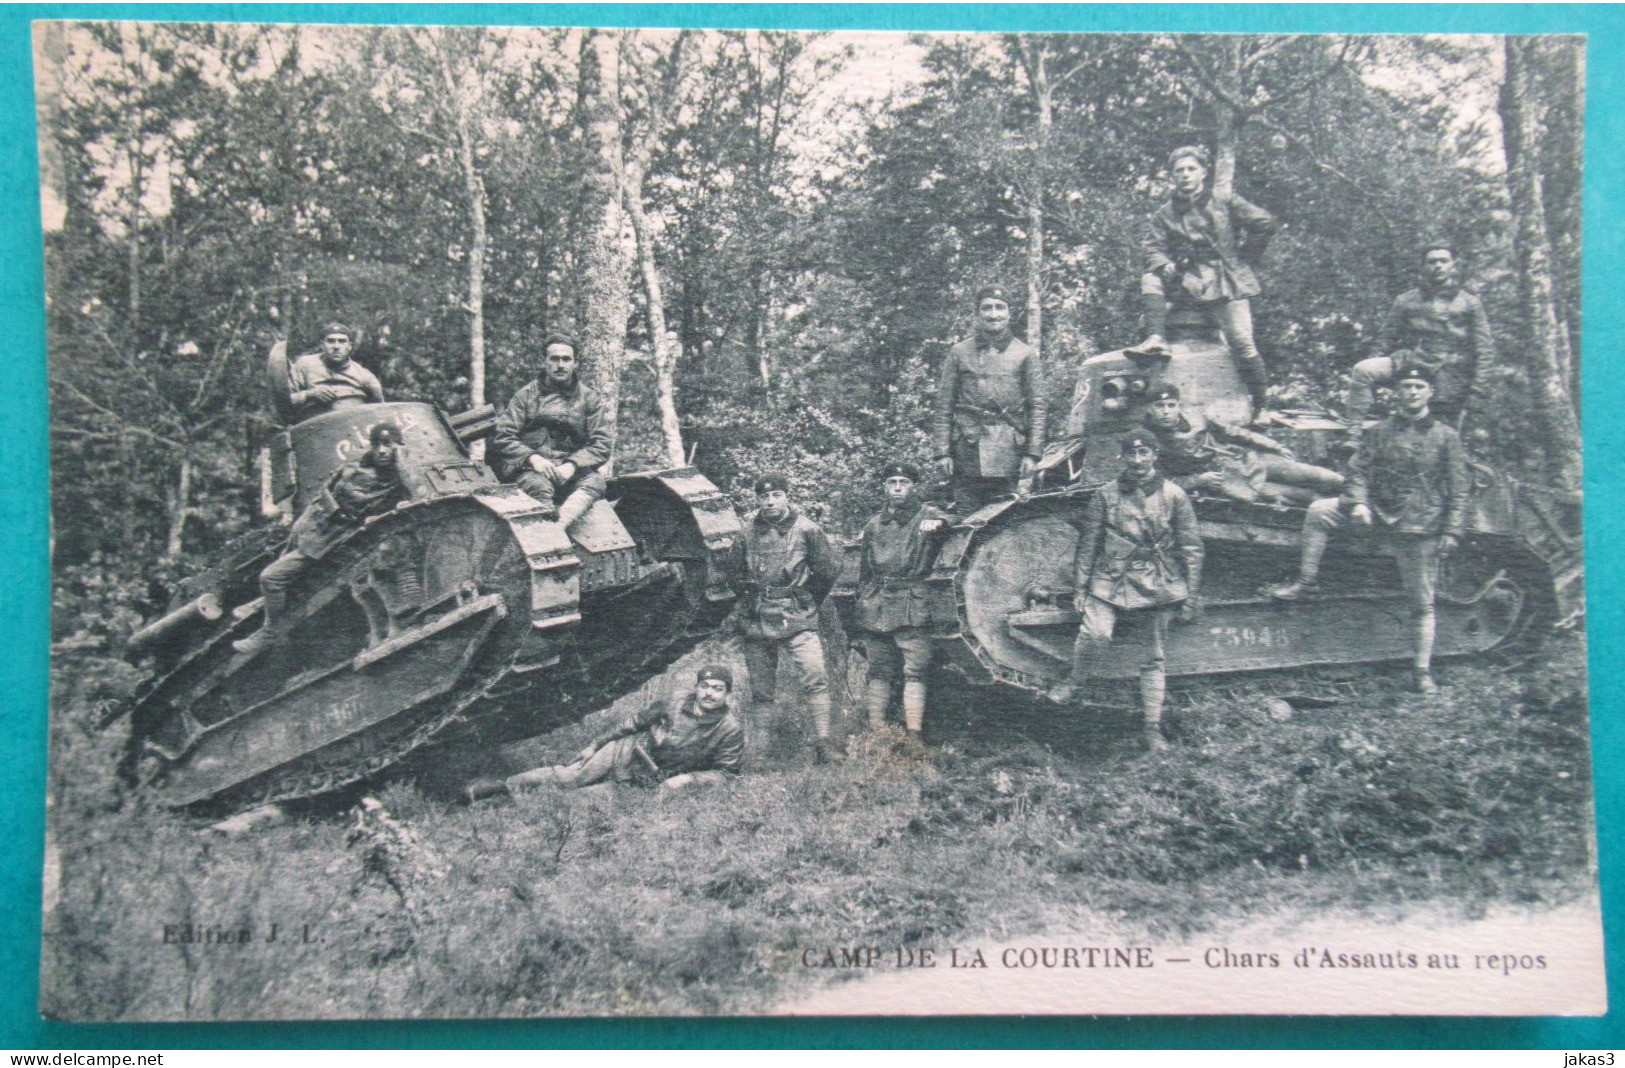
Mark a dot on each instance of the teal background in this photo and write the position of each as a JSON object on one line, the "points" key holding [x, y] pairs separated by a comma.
{"points": [[24, 529]]}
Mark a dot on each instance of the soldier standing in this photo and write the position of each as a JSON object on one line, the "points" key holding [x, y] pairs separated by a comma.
{"points": [[553, 437], [1202, 453], [1203, 246], [1438, 326], [989, 426], [782, 569], [1140, 552], [329, 379], [696, 741], [1410, 479], [369, 486], [893, 615]]}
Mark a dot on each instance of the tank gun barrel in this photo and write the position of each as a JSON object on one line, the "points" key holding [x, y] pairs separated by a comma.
{"points": [[205, 608]]}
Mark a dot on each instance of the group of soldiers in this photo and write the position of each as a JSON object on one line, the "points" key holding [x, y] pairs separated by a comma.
{"points": [[1140, 551]]}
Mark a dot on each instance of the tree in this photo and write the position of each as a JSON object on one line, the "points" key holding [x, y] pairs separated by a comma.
{"points": [[1545, 340]]}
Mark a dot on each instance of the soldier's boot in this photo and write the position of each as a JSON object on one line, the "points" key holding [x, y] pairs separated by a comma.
{"points": [[480, 789], [824, 749], [877, 698], [1426, 624], [1307, 583], [1085, 651], [1153, 690], [1256, 378], [534, 779], [576, 505], [275, 629], [1155, 314]]}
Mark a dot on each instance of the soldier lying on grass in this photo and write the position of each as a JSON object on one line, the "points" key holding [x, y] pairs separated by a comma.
{"points": [[693, 741]]}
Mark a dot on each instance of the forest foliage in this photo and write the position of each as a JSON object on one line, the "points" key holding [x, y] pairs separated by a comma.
{"points": [[765, 240]]}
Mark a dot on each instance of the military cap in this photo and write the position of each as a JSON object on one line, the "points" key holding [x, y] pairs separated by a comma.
{"points": [[996, 292], [560, 339], [1135, 438], [770, 482], [336, 327], [719, 672], [1438, 244], [900, 470], [1412, 372], [1195, 152], [376, 434], [1163, 391]]}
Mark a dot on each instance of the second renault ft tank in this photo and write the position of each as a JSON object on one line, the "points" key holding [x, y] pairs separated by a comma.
{"points": [[460, 619], [1001, 588]]}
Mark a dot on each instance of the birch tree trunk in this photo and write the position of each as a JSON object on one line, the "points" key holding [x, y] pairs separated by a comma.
{"points": [[660, 350], [1545, 341], [180, 505], [606, 297]]}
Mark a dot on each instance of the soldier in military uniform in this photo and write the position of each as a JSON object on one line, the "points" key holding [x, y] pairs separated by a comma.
{"points": [[892, 613], [782, 569], [1409, 479], [553, 437], [1438, 326], [368, 486], [1139, 552], [695, 741], [1204, 246], [329, 379], [1202, 453], [989, 426]]}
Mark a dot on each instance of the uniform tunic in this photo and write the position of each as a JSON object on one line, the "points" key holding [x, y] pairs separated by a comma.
{"points": [[570, 424], [782, 571], [1140, 544], [986, 390], [1445, 330], [1213, 241], [894, 559], [1413, 476], [353, 383], [1199, 445], [353, 492], [680, 739]]}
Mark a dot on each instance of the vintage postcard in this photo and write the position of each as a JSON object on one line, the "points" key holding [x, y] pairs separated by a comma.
{"points": [[557, 522]]}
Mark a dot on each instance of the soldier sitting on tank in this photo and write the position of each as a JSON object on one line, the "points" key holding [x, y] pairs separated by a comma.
{"points": [[1410, 480], [893, 617], [782, 568], [367, 486], [989, 425], [1203, 454], [1200, 248], [323, 381], [1140, 552], [695, 741], [1438, 326], [553, 437]]}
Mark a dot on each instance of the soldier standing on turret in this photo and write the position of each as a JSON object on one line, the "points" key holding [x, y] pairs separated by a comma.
{"points": [[1410, 480], [782, 569], [1204, 247], [893, 616], [989, 427], [1140, 552]]}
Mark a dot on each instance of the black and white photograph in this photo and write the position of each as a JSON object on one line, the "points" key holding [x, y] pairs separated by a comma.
{"points": [[554, 522]]}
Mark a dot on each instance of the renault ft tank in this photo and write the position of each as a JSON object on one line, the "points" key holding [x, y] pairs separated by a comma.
{"points": [[462, 618], [1001, 588]]}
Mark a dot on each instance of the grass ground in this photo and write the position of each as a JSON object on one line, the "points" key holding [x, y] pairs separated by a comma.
{"points": [[636, 901]]}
